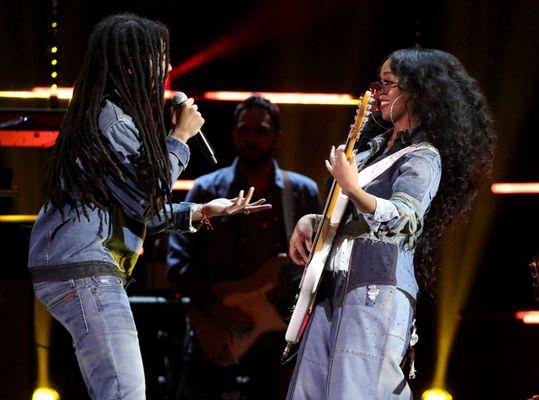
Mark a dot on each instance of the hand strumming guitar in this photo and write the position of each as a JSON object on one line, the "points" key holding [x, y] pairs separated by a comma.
{"points": [[301, 239]]}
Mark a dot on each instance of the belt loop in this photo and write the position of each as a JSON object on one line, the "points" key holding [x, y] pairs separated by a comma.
{"points": [[128, 280]]}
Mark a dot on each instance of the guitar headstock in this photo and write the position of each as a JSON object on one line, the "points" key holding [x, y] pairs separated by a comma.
{"points": [[363, 112]]}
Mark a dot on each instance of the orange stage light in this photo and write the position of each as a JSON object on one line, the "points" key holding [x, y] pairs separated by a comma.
{"points": [[286, 98], [528, 317], [26, 138], [183, 185], [515, 188]]}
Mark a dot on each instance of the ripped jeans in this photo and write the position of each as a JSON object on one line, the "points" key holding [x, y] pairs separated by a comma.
{"points": [[354, 344], [96, 312]]}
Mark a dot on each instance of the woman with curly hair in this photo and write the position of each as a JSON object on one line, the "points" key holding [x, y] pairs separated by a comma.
{"points": [[108, 182], [362, 325]]}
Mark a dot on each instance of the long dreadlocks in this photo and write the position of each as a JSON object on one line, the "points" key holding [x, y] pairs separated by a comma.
{"points": [[125, 62]]}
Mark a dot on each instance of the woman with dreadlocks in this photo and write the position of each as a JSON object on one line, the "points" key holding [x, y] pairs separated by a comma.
{"points": [[362, 325], [108, 181]]}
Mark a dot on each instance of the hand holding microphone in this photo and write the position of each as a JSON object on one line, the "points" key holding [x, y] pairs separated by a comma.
{"points": [[187, 122], [186, 119]]}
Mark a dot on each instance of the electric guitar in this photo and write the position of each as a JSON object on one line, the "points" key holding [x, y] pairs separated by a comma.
{"points": [[259, 296], [333, 211]]}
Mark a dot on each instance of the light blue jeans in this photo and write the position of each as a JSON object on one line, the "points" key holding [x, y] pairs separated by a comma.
{"points": [[97, 314], [353, 347]]}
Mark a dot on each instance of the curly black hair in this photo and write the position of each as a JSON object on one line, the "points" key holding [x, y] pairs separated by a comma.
{"points": [[455, 118], [125, 63]]}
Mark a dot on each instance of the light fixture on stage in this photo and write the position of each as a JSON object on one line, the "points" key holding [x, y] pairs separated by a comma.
{"points": [[515, 188], [183, 184], [18, 219], [436, 394], [287, 98], [41, 92], [528, 317], [44, 393]]}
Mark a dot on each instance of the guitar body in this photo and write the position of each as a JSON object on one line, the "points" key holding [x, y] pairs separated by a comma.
{"points": [[249, 295]]}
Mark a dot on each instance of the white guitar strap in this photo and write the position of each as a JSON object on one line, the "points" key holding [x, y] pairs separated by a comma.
{"points": [[372, 172]]}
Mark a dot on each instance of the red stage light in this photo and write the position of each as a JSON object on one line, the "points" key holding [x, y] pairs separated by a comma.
{"points": [[28, 138]]}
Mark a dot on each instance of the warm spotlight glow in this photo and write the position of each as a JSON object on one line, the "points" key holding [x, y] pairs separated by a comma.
{"points": [[54, 62], [286, 98], [54, 86], [65, 93], [528, 317], [54, 74], [41, 92], [436, 394], [183, 185], [45, 394], [18, 218], [54, 49], [54, 24], [62, 93], [515, 188]]}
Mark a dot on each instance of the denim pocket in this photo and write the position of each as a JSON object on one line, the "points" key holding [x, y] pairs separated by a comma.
{"points": [[54, 294], [64, 303], [112, 303], [365, 321]]}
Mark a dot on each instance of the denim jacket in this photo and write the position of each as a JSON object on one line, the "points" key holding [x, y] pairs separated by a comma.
{"points": [[379, 247], [108, 242]]}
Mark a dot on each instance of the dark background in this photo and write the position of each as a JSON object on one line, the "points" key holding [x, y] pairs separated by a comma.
{"points": [[311, 46]]}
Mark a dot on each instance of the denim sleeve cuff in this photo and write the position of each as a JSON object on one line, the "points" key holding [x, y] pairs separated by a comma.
{"points": [[385, 211], [183, 217], [179, 149]]}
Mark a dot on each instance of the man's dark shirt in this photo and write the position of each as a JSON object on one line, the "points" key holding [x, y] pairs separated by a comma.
{"points": [[238, 245]]}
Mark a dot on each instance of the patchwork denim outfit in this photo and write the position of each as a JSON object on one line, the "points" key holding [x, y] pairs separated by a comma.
{"points": [[78, 265], [360, 328]]}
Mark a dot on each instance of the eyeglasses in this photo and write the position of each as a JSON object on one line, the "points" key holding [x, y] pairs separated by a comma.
{"points": [[383, 86]]}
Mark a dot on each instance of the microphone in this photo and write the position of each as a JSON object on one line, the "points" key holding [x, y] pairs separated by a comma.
{"points": [[178, 99]]}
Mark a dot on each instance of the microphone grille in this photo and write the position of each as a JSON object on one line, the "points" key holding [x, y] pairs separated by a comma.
{"points": [[178, 98]]}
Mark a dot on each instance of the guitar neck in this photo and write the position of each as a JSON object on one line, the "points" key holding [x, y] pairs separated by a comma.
{"points": [[361, 115], [334, 192]]}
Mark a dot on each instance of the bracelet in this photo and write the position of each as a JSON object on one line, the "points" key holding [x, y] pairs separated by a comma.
{"points": [[205, 220]]}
